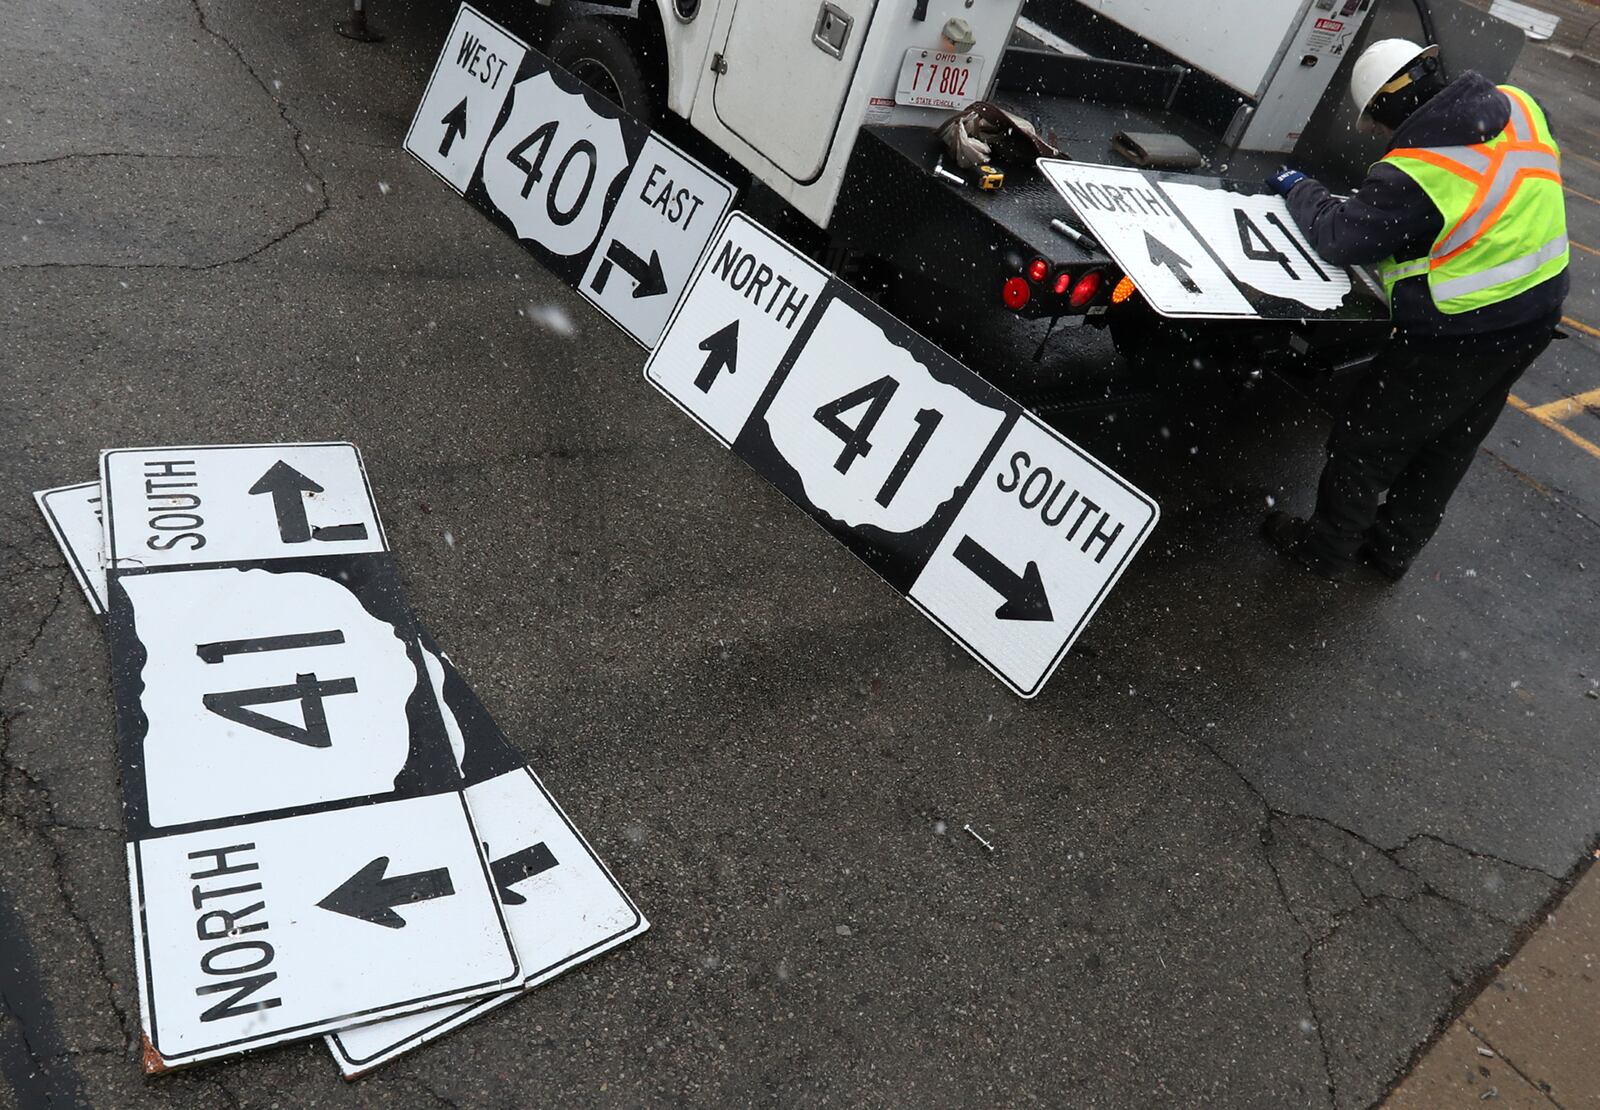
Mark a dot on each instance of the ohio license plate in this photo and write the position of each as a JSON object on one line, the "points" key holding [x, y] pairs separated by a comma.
{"points": [[933, 79]]}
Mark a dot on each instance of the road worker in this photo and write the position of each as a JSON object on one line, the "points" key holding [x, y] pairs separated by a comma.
{"points": [[1465, 221]]}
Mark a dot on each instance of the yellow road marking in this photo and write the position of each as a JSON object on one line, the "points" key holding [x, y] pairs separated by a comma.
{"points": [[1554, 425], [1575, 193], [1581, 247], [1568, 407], [1581, 326]]}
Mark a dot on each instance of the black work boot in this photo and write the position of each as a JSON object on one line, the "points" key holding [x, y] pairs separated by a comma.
{"points": [[1384, 556], [1291, 537]]}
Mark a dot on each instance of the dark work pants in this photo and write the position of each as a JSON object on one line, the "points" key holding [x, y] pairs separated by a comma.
{"points": [[1411, 429]]}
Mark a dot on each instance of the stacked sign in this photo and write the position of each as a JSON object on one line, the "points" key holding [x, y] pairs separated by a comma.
{"points": [[325, 828]]}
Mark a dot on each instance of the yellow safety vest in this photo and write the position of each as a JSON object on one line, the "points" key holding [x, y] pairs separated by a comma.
{"points": [[1505, 222]]}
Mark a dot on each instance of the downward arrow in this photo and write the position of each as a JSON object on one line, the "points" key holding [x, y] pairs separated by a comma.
{"points": [[455, 127], [1025, 599], [512, 869], [368, 896], [649, 280], [722, 353], [1163, 255]]}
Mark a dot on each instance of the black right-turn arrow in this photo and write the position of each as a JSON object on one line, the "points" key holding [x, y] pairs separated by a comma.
{"points": [[369, 896], [455, 127], [1163, 255], [1025, 599]]}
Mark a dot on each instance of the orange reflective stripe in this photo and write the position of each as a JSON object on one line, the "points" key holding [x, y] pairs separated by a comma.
{"points": [[1494, 215], [1439, 161]]}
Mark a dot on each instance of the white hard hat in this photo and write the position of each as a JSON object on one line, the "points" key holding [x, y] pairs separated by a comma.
{"points": [[1379, 64]]}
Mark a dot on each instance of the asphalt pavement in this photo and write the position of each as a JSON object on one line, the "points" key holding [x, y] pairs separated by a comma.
{"points": [[1259, 839]]}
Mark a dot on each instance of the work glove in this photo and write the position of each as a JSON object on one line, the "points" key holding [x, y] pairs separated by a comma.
{"points": [[1285, 180]]}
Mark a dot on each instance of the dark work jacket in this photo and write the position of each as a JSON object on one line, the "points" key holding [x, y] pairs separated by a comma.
{"points": [[1391, 215]]}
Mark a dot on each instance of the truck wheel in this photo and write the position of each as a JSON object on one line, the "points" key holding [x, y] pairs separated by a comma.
{"points": [[597, 53]]}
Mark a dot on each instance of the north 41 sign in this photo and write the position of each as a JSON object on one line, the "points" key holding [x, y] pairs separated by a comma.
{"points": [[1001, 531], [615, 210], [1200, 247]]}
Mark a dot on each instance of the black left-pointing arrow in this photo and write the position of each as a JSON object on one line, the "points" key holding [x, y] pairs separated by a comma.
{"points": [[649, 279], [455, 127], [369, 896], [1025, 599], [525, 864]]}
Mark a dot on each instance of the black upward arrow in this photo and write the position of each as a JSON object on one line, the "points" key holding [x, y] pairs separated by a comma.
{"points": [[722, 353], [1025, 599], [649, 280], [1163, 255], [455, 127], [368, 896], [286, 484], [512, 869]]}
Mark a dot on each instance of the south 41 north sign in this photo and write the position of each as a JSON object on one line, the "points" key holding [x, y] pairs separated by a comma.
{"points": [[1000, 530]]}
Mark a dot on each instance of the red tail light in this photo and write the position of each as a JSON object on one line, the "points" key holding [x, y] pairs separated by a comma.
{"points": [[1063, 283], [1015, 293], [1084, 292], [1038, 270]]}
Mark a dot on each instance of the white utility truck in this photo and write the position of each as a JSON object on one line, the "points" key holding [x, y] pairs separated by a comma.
{"points": [[828, 111]]}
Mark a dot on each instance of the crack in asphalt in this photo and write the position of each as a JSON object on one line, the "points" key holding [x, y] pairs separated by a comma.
{"points": [[301, 151], [71, 155], [9, 770], [1267, 835]]}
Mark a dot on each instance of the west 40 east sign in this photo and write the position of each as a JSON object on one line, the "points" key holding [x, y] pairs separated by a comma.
{"points": [[615, 210]]}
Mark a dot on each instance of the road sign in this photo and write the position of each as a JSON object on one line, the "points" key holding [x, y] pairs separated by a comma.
{"points": [[1258, 242], [464, 96], [563, 904], [1201, 247], [612, 208], [300, 849], [73, 514], [1004, 533]]}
